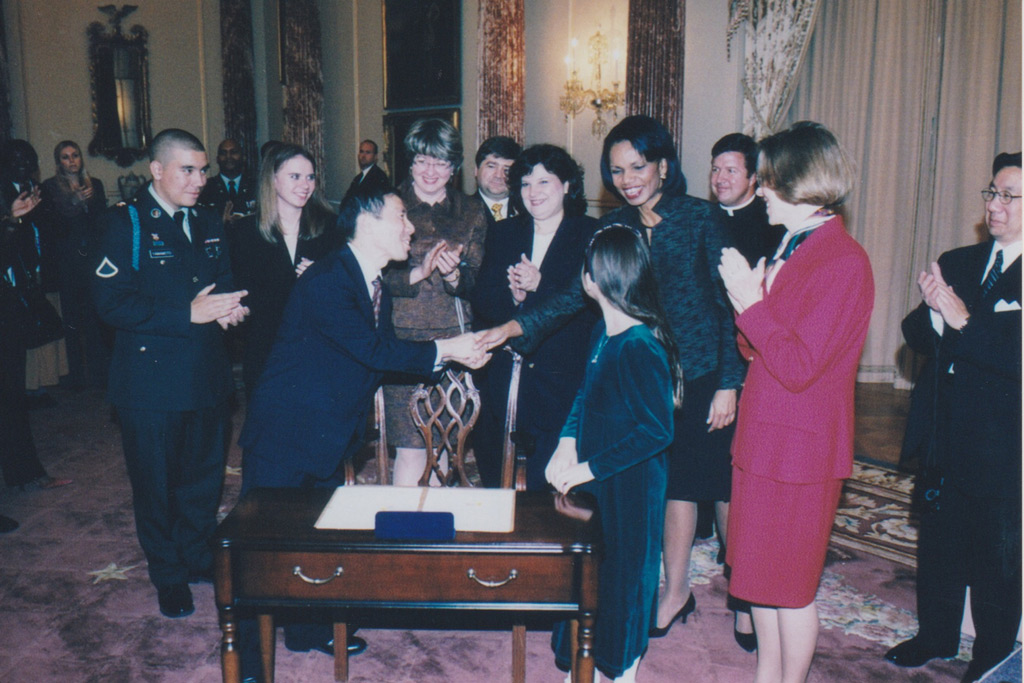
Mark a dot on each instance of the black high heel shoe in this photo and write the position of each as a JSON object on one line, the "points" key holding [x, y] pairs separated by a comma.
{"points": [[683, 612], [748, 641]]}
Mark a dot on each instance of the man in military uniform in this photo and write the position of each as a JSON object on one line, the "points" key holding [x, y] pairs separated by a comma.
{"points": [[163, 282], [231, 194]]}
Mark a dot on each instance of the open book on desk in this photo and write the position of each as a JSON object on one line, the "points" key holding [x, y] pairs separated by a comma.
{"points": [[475, 509]]}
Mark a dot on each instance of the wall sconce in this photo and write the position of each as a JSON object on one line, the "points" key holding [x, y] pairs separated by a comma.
{"points": [[600, 99]]}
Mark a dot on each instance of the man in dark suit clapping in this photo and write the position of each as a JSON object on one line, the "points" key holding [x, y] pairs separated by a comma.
{"points": [[965, 426]]}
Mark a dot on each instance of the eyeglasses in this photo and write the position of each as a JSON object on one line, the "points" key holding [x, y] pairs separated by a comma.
{"points": [[423, 163], [1004, 196]]}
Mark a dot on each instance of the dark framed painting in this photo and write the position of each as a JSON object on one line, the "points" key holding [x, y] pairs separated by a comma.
{"points": [[422, 53], [396, 126]]}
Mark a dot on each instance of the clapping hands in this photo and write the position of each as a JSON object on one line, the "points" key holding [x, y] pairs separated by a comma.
{"points": [[743, 284], [941, 298], [226, 309], [523, 277], [442, 258]]}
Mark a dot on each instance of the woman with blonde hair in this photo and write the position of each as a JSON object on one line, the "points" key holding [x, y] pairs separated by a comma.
{"points": [[293, 227]]}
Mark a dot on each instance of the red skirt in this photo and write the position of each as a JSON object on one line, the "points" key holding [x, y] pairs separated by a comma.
{"points": [[778, 537]]}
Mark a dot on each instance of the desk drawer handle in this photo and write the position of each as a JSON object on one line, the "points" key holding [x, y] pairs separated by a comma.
{"points": [[297, 571], [491, 584]]}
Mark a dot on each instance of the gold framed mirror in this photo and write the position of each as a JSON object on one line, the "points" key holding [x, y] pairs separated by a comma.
{"points": [[119, 70]]}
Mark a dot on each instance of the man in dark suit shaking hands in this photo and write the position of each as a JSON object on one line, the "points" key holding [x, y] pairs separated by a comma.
{"points": [[965, 426], [335, 342]]}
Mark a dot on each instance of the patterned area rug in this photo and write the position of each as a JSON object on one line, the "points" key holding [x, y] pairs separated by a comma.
{"points": [[874, 514]]}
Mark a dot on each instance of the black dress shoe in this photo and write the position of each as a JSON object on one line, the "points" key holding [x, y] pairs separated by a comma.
{"points": [[684, 611], [975, 670], [748, 641], [175, 600], [7, 524], [356, 646], [915, 652]]}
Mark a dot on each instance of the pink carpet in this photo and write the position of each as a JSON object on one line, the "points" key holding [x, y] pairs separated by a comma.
{"points": [[67, 615]]}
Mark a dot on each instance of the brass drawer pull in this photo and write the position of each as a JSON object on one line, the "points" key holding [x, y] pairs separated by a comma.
{"points": [[512, 574], [297, 571]]}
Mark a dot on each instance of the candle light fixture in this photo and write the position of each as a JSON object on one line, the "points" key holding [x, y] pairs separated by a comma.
{"points": [[602, 100]]}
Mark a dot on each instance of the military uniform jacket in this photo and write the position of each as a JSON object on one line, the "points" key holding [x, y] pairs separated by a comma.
{"points": [[161, 360]]}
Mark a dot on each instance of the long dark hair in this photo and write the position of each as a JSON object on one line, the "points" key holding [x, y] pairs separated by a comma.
{"points": [[619, 262]]}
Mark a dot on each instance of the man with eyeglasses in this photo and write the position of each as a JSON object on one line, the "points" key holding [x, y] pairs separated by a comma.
{"points": [[964, 426]]}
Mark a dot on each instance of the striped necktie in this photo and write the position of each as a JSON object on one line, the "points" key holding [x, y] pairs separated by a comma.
{"points": [[376, 300], [993, 274]]}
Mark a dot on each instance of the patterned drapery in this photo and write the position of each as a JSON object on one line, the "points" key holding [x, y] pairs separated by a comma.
{"points": [[501, 62], [237, 68], [654, 64], [303, 76], [6, 124], [775, 47]]}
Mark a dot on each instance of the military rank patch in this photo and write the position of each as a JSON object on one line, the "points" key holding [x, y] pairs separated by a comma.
{"points": [[106, 268]]}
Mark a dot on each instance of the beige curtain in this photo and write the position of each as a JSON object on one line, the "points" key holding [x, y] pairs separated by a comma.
{"points": [[501, 89], [922, 94]]}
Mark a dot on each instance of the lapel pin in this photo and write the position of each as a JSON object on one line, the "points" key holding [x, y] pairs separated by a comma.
{"points": [[155, 213]]}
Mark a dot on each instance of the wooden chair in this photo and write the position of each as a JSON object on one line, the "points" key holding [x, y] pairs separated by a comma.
{"points": [[445, 414]]}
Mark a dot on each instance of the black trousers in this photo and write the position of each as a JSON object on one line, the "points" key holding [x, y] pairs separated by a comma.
{"points": [[176, 465], [972, 542], [18, 458]]}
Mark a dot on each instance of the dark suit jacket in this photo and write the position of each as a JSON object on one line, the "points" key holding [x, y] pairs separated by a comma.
{"points": [[215, 195], [161, 360], [267, 272], [553, 372], [979, 442], [375, 177], [316, 392]]}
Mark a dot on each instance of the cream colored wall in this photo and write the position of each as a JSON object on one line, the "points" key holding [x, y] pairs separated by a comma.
{"points": [[354, 82], [51, 101]]}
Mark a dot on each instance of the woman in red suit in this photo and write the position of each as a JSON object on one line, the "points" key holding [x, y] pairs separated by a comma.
{"points": [[802, 320]]}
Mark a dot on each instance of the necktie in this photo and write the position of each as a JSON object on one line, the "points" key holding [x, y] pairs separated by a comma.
{"points": [[376, 300], [993, 274], [179, 218], [232, 190], [496, 210]]}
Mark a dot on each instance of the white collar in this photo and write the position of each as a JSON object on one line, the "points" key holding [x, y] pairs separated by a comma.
{"points": [[732, 209], [369, 271], [1011, 252], [167, 207]]}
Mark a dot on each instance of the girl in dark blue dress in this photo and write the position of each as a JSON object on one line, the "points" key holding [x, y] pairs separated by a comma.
{"points": [[613, 444]]}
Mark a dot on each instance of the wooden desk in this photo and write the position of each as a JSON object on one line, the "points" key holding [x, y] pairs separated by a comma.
{"points": [[268, 555]]}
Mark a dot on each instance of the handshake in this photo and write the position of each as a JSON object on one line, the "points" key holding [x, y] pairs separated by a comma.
{"points": [[472, 349]]}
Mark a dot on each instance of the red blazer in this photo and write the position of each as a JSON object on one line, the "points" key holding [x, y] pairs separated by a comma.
{"points": [[803, 341]]}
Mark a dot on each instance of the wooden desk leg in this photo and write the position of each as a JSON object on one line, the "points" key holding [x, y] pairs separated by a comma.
{"points": [[518, 653], [583, 662], [340, 651], [230, 662], [268, 646]]}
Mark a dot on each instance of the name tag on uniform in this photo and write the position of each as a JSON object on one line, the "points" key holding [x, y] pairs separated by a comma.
{"points": [[161, 253]]}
